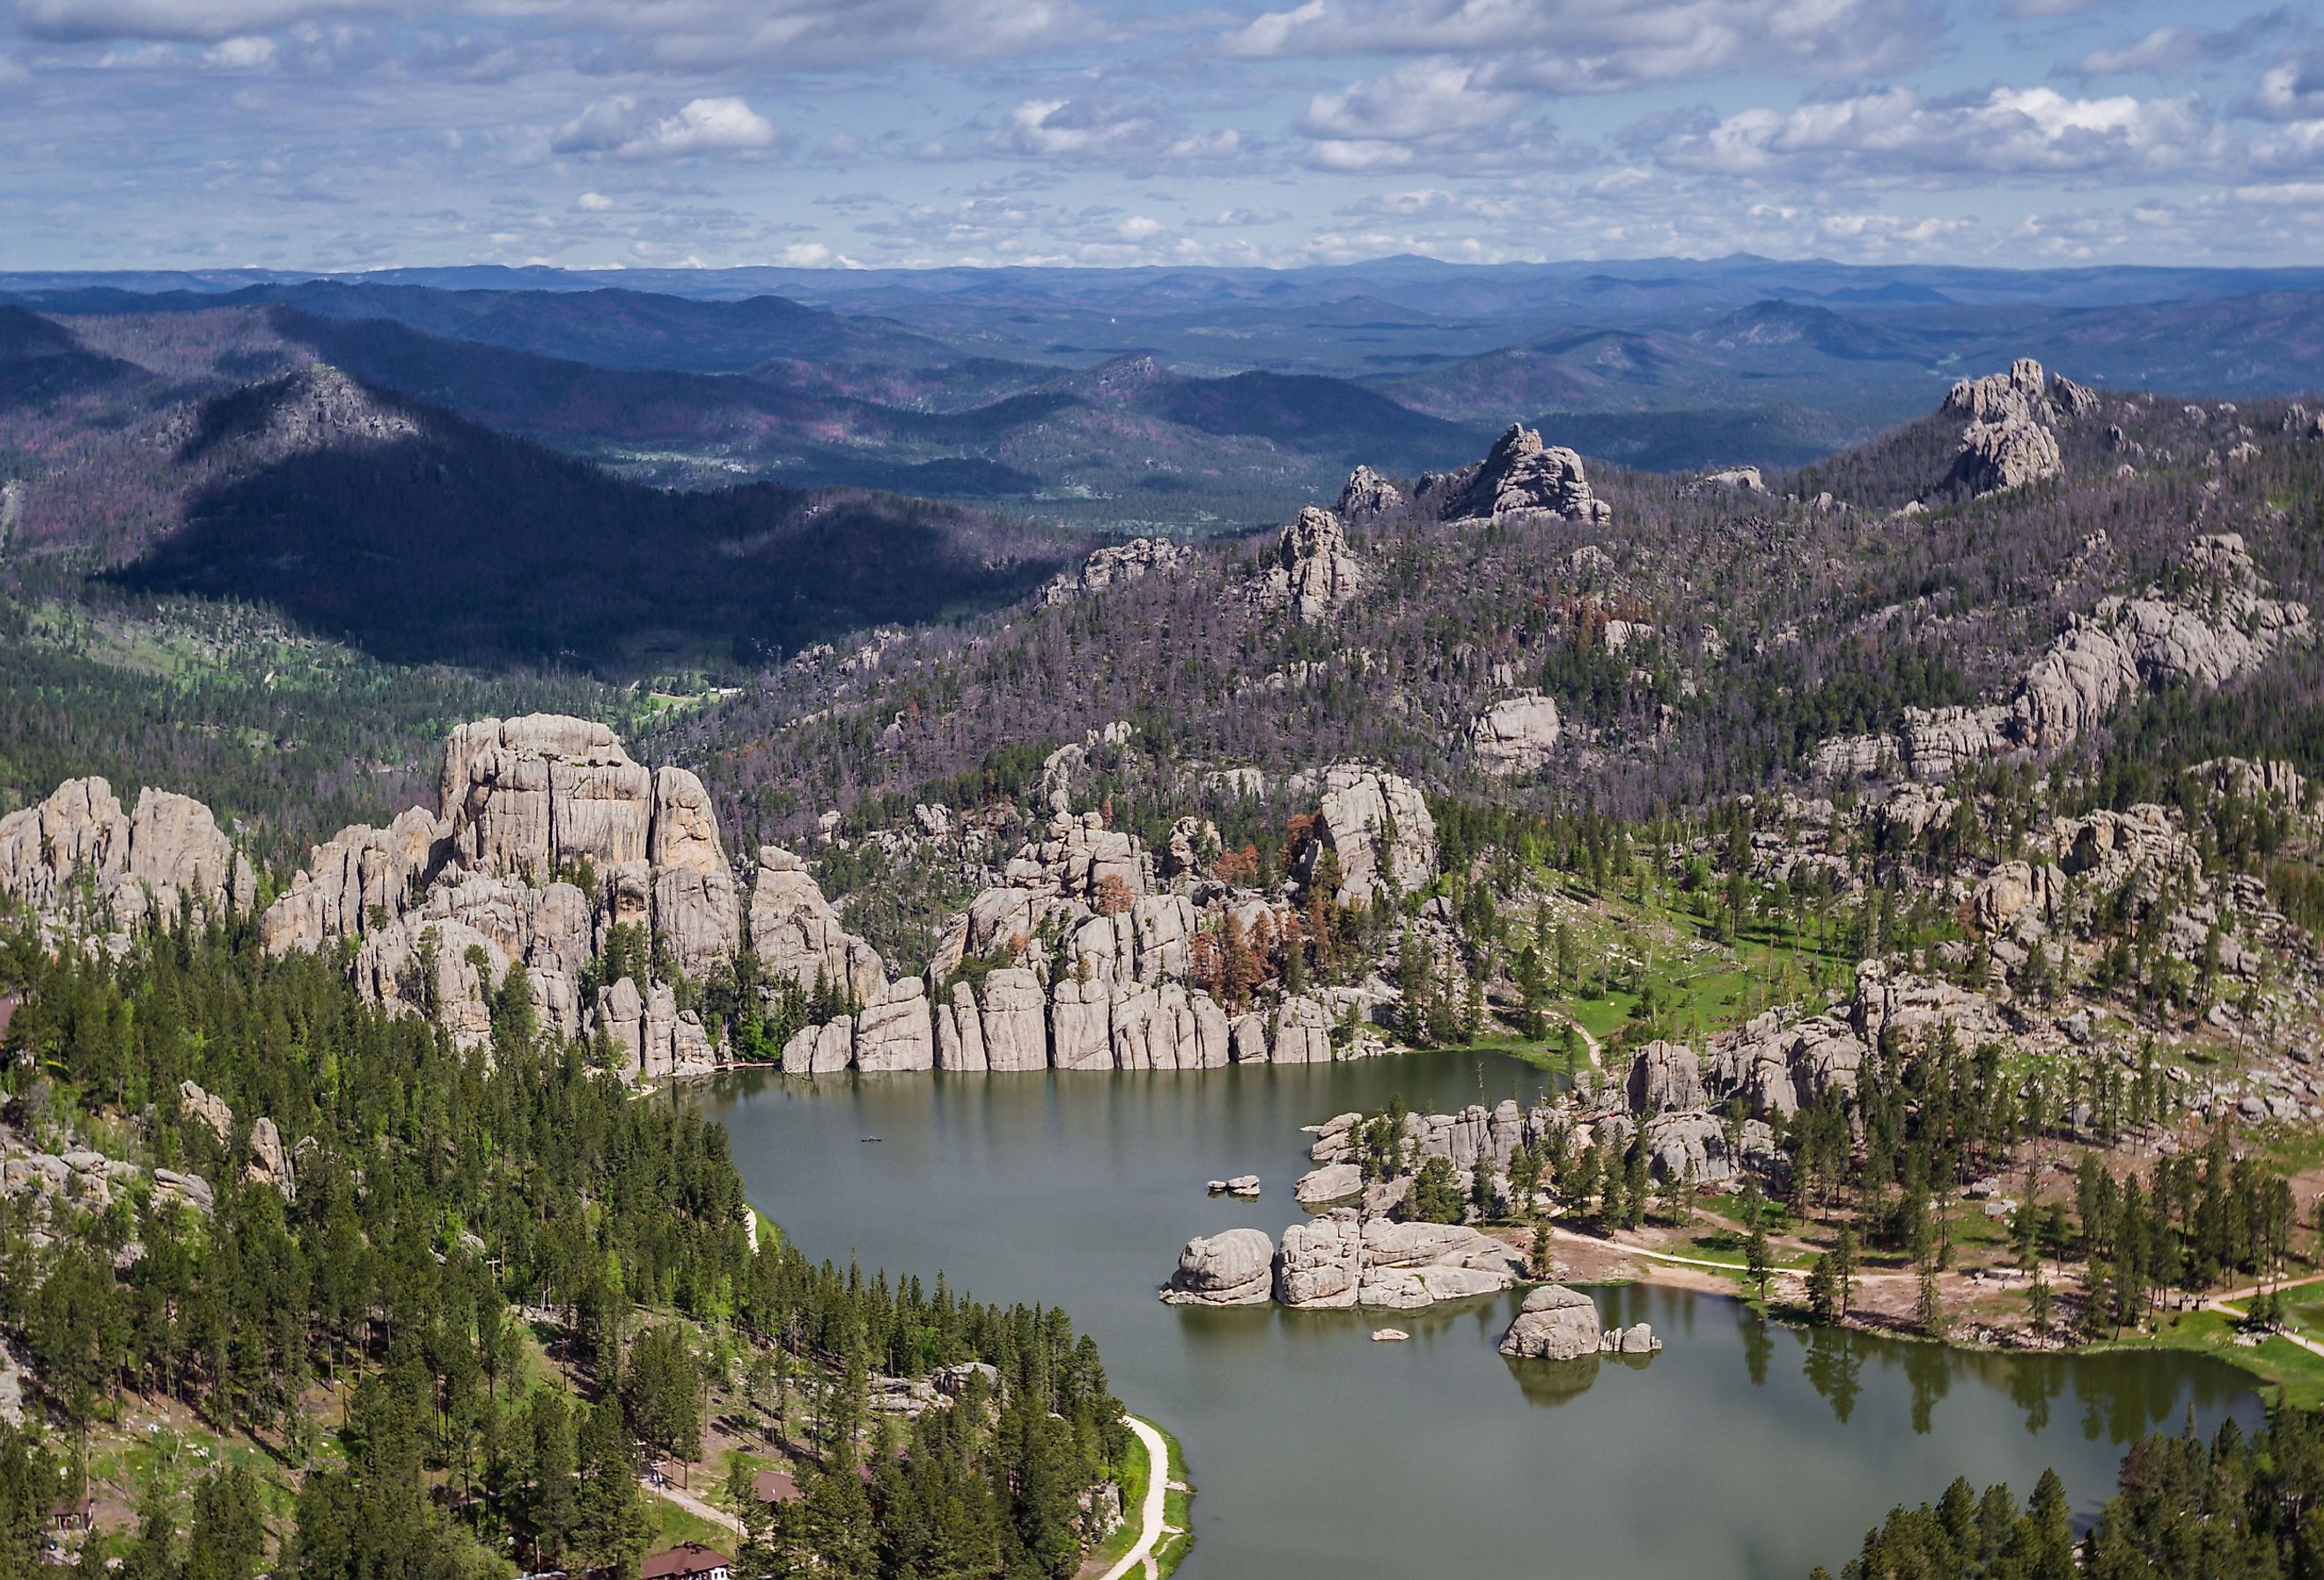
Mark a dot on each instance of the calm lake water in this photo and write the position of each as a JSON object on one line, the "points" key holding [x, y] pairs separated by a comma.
{"points": [[1742, 1449]]}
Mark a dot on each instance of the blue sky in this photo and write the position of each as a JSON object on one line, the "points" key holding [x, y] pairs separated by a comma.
{"points": [[360, 133]]}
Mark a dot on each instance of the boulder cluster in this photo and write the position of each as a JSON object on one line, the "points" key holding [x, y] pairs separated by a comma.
{"points": [[1559, 1324], [1083, 956], [1343, 1260], [2212, 623], [1519, 476], [2011, 438], [79, 859], [552, 849], [1312, 574]]}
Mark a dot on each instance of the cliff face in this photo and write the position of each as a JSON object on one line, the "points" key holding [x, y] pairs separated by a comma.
{"points": [[551, 848]]}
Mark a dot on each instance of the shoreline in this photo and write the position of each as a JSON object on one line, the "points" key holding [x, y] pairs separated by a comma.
{"points": [[2276, 1362]]}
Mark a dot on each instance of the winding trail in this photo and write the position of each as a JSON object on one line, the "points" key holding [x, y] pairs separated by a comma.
{"points": [[1139, 1557], [2222, 1304], [695, 1506]]}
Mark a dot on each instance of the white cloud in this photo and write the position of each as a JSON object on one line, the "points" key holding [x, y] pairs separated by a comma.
{"points": [[2010, 132], [2157, 51], [1595, 46], [615, 128], [593, 203], [2292, 91], [1139, 228], [247, 53], [1421, 100], [1056, 128]]}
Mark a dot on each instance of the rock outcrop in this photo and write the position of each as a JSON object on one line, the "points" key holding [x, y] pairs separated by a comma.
{"points": [[799, 936], [1115, 566], [1518, 734], [1378, 826], [1233, 1269], [1367, 495], [1312, 574], [1341, 1260], [2212, 624], [2009, 441], [78, 848], [1555, 1324], [1518, 477]]}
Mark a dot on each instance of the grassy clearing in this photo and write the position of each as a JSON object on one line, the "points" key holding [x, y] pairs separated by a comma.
{"points": [[2277, 1362]]}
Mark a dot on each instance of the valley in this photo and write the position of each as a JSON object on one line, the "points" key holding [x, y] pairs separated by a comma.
{"points": [[473, 844]]}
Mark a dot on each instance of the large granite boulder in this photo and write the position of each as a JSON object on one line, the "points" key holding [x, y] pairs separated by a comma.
{"points": [[1516, 735], [1665, 1077], [798, 934], [1016, 1032], [1303, 1031], [894, 1031], [1081, 1025], [960, 1031], [1331, 1182], [1555, 1324], [819, 1051], [1312, 574], [1236, 1268], [1379, 828]]}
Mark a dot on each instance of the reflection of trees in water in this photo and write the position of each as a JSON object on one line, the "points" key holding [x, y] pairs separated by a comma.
{"points": [[2123, 1401], [2032, 1384], [1758, 1345], [1929, 1370], [1833, 1365]]}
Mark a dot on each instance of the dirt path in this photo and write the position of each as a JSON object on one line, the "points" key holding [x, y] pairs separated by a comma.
{"points": [[1140, 1559], [695, 1506]]}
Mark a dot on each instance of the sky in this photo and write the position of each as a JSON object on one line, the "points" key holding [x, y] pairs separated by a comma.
{"points": [[348, 135]]}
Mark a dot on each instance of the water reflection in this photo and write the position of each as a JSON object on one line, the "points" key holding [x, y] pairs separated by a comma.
{"points": [[1322, 1455], [1833, 1364]]}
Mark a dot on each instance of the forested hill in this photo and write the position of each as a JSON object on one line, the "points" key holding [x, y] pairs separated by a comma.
{"points": [[419, 536], [1697, 636], [416, 1308]]}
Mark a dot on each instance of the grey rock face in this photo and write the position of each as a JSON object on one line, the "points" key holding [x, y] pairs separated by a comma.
{"points": [[1378, 826], [138, 864], [1303, 1032], [1665, 1077], [210, 1110], [1236, 1268], [959, 1033], [1368, 494], [1521, 474], [539, 793], [894, 1031], [1016, 1033], [1081, 1026], [820, 1051], [1516, 735], [684, 833], [1114, 566], [798, 934], [1555, 1324], [1312, 574]]}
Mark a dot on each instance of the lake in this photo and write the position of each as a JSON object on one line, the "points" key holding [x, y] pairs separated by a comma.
{"points": [[1743, 1449]]}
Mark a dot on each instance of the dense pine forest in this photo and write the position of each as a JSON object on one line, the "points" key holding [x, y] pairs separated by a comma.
{"points": [[457, 1313]]}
